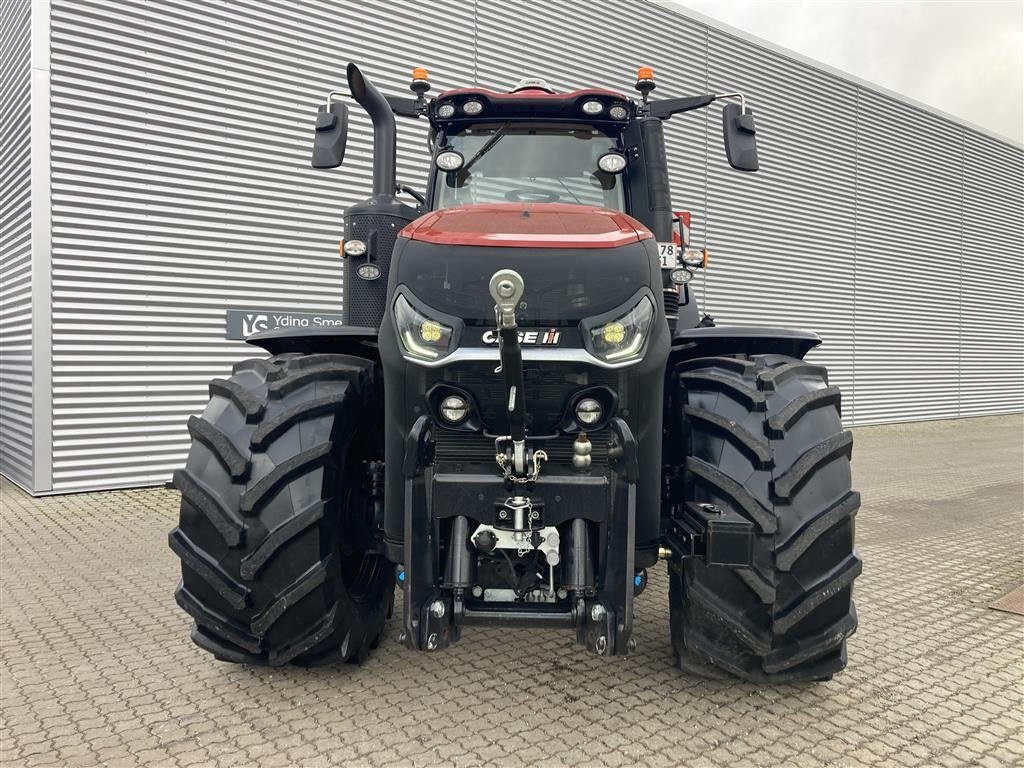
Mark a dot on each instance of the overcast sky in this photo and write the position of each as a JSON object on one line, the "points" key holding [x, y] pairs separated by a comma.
{"points": [[966, 58]]}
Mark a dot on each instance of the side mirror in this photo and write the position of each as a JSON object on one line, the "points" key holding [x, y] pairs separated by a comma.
{"points": [[330, 136], [740, 137]]}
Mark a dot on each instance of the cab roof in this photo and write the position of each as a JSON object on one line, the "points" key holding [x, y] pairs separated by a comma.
{"points": [[529, 103]]}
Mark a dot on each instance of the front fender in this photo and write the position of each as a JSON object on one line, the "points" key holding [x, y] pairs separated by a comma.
{"points": [[741, 339], [347, 340]]}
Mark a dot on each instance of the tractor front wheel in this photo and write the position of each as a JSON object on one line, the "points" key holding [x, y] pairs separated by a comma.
{"points": [[766, 442], [275, 535]]}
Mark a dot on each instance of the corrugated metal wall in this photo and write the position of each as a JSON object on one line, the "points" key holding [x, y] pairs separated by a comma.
{"points": [[15, 244], [181, 187]]}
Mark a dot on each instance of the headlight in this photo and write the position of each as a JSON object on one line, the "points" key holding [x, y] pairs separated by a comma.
{"points": [[421, 337], [592, 107], [449, 160], [454, 409], [623, 338], [612, 162], [473, 107], [445, 111]]}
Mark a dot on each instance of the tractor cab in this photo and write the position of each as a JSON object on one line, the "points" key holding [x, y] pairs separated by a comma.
{"points": [[530, 145]]}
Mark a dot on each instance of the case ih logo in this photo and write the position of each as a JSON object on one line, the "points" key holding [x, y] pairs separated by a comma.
{"points": [[550, 337]]}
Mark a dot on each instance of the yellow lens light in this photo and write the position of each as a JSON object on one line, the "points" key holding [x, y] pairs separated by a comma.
{"points": [[614, 333], [430, 331]]}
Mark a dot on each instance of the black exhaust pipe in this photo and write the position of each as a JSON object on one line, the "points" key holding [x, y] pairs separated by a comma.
{"points": [[385, 136]]}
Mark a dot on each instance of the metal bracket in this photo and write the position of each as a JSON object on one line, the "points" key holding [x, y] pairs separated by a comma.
{"points": [[715, 534]]}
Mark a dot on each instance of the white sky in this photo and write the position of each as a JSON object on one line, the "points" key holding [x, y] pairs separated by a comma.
{"points": [[965, 58]]}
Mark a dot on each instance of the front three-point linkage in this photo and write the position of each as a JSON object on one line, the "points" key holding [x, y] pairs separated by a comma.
{"points": [[517, 462]]}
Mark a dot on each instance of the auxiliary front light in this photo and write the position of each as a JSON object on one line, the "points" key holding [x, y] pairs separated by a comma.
{"points": [[695, 257], [680, 275], [473, 107], [454, 409], [368, 271], [449, 160], [618, 112], [446, 110], [592, 107], [354, 247], [588, 412], [612, 162], [623, 339], [421, 337]]}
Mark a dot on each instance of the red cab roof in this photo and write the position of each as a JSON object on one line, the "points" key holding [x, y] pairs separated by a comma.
{"points": [[528, 225], [531, 93]]}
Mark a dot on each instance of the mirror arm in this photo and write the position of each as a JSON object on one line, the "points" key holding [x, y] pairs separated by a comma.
{"points": [[401, 106], [406, 107], [665, 108], [740, 96]]}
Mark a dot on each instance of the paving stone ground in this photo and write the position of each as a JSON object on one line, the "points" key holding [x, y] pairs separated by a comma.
{"points": [[97, 667]]}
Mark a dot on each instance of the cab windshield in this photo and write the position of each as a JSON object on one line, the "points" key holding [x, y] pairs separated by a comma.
{"points": [[529, 162]]}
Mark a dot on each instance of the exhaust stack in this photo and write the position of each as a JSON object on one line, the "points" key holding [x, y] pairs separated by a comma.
{"points": [[384, 132]]}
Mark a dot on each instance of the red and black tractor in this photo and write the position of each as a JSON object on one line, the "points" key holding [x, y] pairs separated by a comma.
{"points": [[523, 412]]}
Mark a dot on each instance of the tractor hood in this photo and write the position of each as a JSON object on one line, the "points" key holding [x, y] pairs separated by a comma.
{"points": [[577, 261], [528, 225]]}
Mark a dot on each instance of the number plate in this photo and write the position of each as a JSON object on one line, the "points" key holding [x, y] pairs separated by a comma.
{"points": [[669, 253]]}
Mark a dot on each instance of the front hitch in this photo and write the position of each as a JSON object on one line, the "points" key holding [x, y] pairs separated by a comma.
{"points": [[506, 289]]}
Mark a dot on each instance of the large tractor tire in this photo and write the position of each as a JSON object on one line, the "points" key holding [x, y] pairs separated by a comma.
{"points": [[766, 442], [275, 534]]}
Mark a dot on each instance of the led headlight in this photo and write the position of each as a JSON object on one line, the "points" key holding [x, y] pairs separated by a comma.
{"points": [[368, 271], [354, 247], [449, 160], [421, 337], [592, 107], [612, 162], [680, 275], [454, 409], [588, 412], [623, 338], [446, 110], [473, 107], [618, 112]]}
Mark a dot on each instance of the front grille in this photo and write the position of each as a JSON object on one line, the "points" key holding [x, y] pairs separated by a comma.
{"points": [[473, 448], [548, 390]]}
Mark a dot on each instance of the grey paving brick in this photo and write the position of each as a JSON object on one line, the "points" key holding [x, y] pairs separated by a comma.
{"points": [[96, 666]]}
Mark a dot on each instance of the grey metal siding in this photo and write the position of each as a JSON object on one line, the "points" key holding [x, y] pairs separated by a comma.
{"points": [[908, 230], [781, 239], [991, 276], [15, 244], [181, 187]]}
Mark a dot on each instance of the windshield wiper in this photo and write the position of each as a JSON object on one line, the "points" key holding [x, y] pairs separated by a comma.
{"points": [[487, 147]]}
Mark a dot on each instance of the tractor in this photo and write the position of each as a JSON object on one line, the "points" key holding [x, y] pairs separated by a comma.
{"points": [[523, 411]]}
